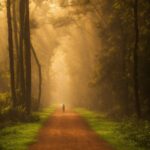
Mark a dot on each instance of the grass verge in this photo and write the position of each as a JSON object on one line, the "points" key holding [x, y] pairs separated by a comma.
{"points": [[108, 130], [19, 135]]}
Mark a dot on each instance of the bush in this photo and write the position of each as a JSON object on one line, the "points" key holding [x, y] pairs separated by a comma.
{"points": [[4, 100], [17, 114], [136, 131]]}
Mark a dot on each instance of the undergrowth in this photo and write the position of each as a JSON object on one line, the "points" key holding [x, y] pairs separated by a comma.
{"points": [[125, 135], [19, 135]]}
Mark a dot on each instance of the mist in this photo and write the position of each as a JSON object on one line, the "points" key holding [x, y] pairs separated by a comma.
{"points": [[85, 52], [66, 41], [72, 71]]}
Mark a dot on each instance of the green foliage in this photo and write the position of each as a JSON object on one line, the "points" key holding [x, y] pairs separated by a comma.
{"points": [[113, 75], [19, 114], [13, 114], [137, 131], [4, 103], [17, 136], [110, 130], [4, 97]]}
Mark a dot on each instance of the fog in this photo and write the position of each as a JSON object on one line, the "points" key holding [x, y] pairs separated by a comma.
{"points": [[66, 40], [89, 51]]}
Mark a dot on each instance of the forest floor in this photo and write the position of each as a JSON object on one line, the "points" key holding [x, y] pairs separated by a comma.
{"points": [[19, 135], [68, 131]]}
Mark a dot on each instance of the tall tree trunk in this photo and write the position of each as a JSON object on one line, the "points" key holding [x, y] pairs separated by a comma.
{"points": [[15, 27], [27, 58], [40, 74], [135, 57], [21, 48], [11, 53]]}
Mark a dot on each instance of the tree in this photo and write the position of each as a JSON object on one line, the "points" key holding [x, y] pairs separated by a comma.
{"points": [[21, 49], [27, 57], [40, 74], [135, 55], [11, 52], [16, 42]]}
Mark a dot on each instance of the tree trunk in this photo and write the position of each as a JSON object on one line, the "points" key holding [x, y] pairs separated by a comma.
{"points": [[21, 48], [11, 53], [40, 75], [135, 58], [27, 58], [16, 42]]}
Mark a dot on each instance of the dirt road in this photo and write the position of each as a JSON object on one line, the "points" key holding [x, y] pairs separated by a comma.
{"points": [[68, 131]]}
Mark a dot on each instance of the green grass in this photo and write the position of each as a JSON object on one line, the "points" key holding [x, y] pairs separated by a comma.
{"points": [[108, 130], [18, 136]]}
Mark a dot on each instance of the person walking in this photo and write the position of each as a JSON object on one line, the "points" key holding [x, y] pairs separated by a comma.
{"points": [[63, 107]]}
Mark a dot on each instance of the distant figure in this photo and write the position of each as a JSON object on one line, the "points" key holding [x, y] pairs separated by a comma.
{"points": [[63, 107]]}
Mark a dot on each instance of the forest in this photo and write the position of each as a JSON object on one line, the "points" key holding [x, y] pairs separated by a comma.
{"points": [[87, 54]]}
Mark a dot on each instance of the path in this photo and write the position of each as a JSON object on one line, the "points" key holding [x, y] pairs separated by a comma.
{"points": [[68, 131]]}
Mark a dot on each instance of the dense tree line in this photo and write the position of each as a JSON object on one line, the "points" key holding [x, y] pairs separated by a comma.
{"points": [[20, 53], [121, 77], [122, 69], [20, 69]]}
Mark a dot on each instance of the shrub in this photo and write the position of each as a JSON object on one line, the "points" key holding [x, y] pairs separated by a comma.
{"points": [[136, 131]]}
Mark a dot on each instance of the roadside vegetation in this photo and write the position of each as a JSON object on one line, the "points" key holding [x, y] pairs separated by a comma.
{"points": [[19, 135], [122, 135], [86, 53]]}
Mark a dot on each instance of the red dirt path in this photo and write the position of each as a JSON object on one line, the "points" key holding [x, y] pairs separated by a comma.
{"points": [[68, 131]]}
